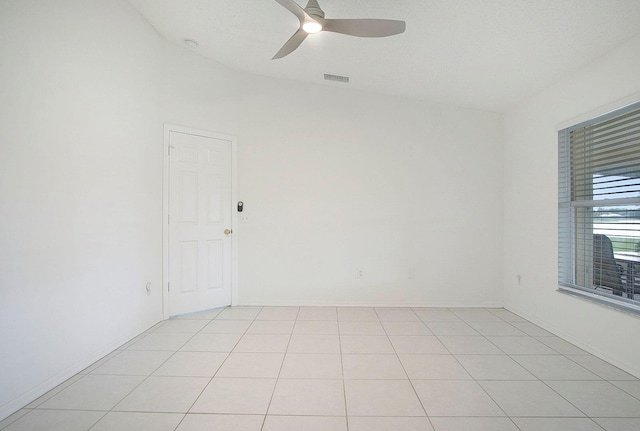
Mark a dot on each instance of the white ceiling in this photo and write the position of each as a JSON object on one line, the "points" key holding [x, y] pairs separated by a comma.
{"points": [[485, 54]]}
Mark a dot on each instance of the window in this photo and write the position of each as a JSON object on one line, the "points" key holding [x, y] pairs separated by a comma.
{"points": [[599, 208]]}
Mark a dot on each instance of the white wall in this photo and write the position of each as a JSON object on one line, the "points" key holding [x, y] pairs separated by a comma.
{"points": [[197, 92], [336, 180], [351, 181], [531, 206], [80, 188]]}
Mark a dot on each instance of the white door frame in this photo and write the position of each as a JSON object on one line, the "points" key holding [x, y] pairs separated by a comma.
{"points": [[165, 210]]}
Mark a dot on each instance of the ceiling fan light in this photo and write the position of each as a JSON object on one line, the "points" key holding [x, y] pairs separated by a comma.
{"points": [[312, 27]]}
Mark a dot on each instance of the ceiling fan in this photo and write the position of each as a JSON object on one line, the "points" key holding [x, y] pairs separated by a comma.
{"points": [[312, 20]]}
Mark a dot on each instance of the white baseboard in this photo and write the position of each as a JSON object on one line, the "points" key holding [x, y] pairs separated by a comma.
{"points": [[632, 369], [371, 304], [42, 388]]}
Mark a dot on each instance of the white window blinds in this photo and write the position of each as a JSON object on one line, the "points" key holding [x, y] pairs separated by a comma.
{"points": [[599, 205]]}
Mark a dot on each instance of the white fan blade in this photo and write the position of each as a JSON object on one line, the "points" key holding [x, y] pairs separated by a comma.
{"points": [[291, 44], [295, 9], [365, 27]]}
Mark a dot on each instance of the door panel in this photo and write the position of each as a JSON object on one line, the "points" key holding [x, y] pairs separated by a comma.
{"points": [[215, 262], [189, 196], [188, 266], [199, 213], [215, 193]]}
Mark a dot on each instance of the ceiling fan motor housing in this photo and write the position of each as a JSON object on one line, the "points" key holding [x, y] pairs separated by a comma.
{"points": [[313, 9]]}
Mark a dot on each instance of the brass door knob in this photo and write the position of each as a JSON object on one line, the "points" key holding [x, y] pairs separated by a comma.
{"points": [[228, 232]]}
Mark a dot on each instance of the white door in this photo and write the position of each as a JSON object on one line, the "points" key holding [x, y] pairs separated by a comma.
{"points": [[199, 223]]}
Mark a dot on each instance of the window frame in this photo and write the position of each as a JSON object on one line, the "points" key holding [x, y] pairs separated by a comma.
{"points": [[568, 267]]}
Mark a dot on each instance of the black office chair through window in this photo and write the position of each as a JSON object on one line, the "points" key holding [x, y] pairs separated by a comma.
{"points": [[606, 273]]}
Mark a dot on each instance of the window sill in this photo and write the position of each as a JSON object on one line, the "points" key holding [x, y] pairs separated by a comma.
{"points": [[621, 304]]}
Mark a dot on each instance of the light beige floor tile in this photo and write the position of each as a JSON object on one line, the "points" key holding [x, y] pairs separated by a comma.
{"points": [[470, 399], [631, 387], [158, 394], [235, 396], [263, 343], [304, 364], [361, 328], [13, 417], [365, 344], [469, 345], [501, 329], [201, 315], [170, 341], [473, 424], [389, 424], [598, 399], [301, 397], [222, 422], [278, 313], [318, 313], [494, 367], [507, 315], [239, 313], [561, 346], [93, 392], [429, 367], [382, 398], [554, 367], [357, 314], [521, 346], [601, 368], [529, 399], [406, 328], [192, 364], [396, 315], [417, 345], [434, 315], [451, 328], [619, 424], [556, 424], [152, 328], [134, 363], [227, 327], [134, 421], [372, 366], [314, 344], [38, 401], [180, 325], [104, 359], [311, 366], [316, 327], [271, 327], [476, 315], [531, 329], [55, 420], [262, 365], [211, 343], [306, 423]]}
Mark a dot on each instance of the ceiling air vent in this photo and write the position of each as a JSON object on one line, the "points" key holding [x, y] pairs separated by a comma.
{"points": [[336, 78]]}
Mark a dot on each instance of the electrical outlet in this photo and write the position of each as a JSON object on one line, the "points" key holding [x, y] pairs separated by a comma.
{"points": [[359, 274]]}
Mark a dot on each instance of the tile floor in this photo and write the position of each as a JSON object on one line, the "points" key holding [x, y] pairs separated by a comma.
{"points": [[342, 369]]}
